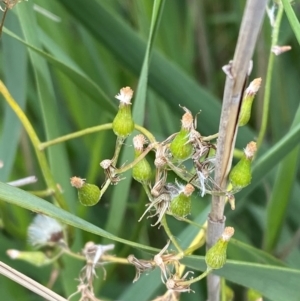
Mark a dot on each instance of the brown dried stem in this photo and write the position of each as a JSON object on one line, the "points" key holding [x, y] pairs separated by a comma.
{"points": [[251, 24]]}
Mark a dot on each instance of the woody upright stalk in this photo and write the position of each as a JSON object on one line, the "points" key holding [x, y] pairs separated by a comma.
{"points": [[236, 75]]}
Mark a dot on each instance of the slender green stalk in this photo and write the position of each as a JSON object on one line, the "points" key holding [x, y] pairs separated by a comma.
{"points": [[105, 186], [119, 143], [188, 221], [193, 280], [287, 4], [170, 235], [147, 190], [238, 154], [137, 160], [266, 106], [78, 134], [210, 137], [51, 184], [94, 129], [42, 193]]}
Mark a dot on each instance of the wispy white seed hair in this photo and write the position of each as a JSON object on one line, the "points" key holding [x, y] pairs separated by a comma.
{"points": [[125, 95], [42, 229]]}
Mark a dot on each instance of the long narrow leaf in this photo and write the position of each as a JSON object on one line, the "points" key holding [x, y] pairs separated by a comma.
{"points": [[23, 199], [276, 283]]}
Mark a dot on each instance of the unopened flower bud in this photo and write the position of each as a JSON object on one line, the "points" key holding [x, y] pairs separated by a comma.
{"points": [[229, 293], [253, 295], [141, 171], [182, 203], [88, 194], [215, 257], [180, 147], [240, 175], [123, 124], [248, 100], [35, 258]]}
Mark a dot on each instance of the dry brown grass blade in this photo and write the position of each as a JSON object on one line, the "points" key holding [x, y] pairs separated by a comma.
{"points": [[29, 283]]}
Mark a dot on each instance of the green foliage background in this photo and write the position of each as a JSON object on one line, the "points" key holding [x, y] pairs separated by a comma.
{"points": [[65, 74]]}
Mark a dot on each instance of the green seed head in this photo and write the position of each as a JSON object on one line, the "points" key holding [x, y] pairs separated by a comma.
{"points": [[123, 124], [240, 175], [182, 203], [181, 148], [253, 295], [88, 194], [248, 100], [141, 171], [229, 293], [215, 257]]}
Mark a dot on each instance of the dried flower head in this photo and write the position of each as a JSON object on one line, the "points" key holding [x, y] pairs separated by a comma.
{"points": [[10, 3], [93, 254], [141, 266], [44, 230], [160, 205], [204, 172], [161, 198], [163, 261], [110, 171], [86, 291], [178, 284], [170, 295], [139, 141], [161, 156]]}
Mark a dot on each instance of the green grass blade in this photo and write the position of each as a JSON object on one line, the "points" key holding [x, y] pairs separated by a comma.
{"points": [[14, 71], [23, 199], [292, 18], [140, 100], [46, 95], [276, 283], [280, 198], [66, 65]]}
